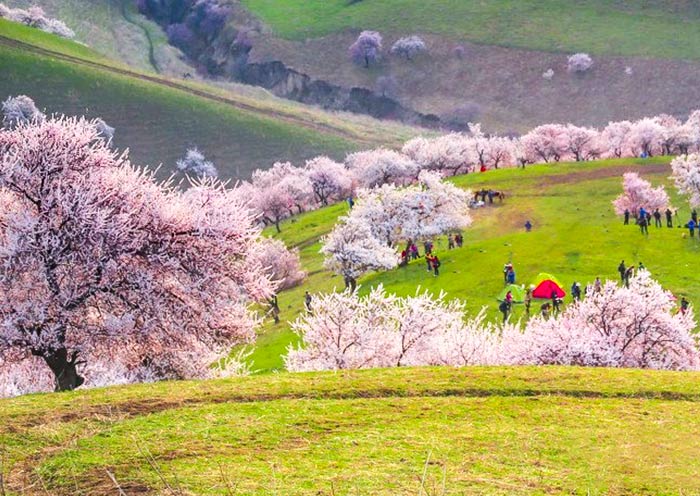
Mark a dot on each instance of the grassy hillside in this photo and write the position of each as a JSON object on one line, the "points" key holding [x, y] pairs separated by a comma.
{"points": [[472, 431], [158, 118], [634, 27], [576, 237]]}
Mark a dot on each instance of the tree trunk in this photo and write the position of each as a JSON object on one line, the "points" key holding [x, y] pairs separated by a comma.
{"points": [[277, 225], [65, 371]]}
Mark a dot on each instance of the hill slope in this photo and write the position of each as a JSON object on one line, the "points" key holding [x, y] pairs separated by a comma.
{"points": [[382, 432], [576, 236], [158, 118]]}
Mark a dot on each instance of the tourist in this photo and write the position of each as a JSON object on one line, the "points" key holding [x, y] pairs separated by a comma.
{"points": [[307, 301], [459, 239], [643, 224], [414, 251], [691, 227], [597, 285], [429, 261], [436, 265], [450, 242], [576, 291], [622, 269], [669, 218], [528, 226], [684, 305], [627, 217], [503, 307], [694, 216], [528, 299], [628, 275], [657, 218]]}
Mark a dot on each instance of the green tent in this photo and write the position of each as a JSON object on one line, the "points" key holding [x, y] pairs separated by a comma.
{"points": [[518, 293]]}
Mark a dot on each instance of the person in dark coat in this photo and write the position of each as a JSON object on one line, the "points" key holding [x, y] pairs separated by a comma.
{"points": [[643, 224], [669, 218], [627, 217], [436, 264], [657, 218]]}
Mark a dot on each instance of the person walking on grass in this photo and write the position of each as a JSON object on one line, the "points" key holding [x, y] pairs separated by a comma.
{"points": [[436, 265], [691, 227], [307, 301], [622, 270], [503, 307], [657, 218], [644, 225], [450, 242], [429, 261], [669, 218], [576, 291], [627, 217], [628, 275], [459, 239], [528, 300], [597, 285]]}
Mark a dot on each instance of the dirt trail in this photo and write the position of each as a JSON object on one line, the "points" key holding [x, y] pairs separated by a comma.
{"points": [[280, 116]]}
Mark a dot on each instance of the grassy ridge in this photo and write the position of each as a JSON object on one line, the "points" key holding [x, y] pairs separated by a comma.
{"points": [[485, 430], [576, 237], [636, 27]]}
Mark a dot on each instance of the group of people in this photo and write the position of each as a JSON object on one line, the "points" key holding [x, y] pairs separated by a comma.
{"points": [[644, 219], [455, 241], [627, 272]]}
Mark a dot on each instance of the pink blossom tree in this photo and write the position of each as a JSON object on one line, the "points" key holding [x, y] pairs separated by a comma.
{"points": [[282, 265], [638, 193], [293, 181], [103, 267], [615, 137], [583, 143], [329, 179], [616, 327], [347, 331], [422, 211], [450, 154], [645, 137], [686, 176], [579, 63], [545, 143], [381, 166], [366, 48], [409, 46]]}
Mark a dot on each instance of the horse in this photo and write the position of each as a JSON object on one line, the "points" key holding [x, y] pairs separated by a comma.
{"points": [[490, 193]]}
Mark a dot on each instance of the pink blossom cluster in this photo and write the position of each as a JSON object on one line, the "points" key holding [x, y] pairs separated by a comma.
{"points": [[285, 189], [635, 326], [346, 331], [105, 268], [639, 193]]}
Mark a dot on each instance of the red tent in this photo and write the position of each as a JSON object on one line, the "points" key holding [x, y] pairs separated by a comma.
{"points": [[545, 288]]}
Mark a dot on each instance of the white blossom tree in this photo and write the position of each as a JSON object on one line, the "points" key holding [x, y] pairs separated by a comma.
{"points": [[20, 110], [329, 179], [409, 46], [686, 176], [196, 165]]}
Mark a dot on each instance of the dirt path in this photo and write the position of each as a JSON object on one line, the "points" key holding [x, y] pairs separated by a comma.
{"points": [[280, 116]]}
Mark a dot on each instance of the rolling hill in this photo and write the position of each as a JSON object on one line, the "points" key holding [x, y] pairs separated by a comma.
{"points": [[576, 236], [472, 431], [158, 117]]}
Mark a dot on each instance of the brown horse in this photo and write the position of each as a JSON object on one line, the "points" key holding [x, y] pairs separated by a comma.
{"points": [[490, 194]]}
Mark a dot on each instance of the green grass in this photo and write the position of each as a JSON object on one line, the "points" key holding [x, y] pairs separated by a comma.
{"points": [[576, 237], [521, 430], [634, 27], [240, 132]]}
